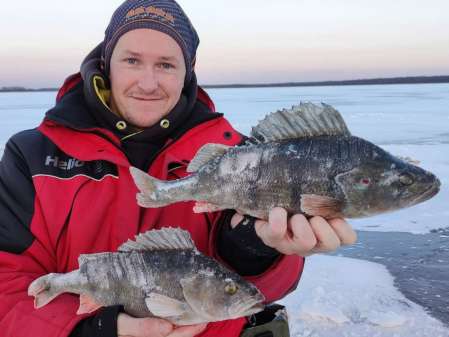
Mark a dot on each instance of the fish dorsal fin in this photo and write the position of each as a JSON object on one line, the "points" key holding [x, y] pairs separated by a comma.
{"points": [[304, 120], [205, 154], [158, 239]]}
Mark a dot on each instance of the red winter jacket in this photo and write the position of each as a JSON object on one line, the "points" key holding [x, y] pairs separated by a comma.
{"points": [[67, 191]]}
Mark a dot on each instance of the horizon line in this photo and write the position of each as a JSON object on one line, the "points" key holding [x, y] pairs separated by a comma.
{"points": [[367, 81]]}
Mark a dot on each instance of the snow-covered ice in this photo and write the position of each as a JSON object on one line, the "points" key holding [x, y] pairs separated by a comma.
{"points": [[346, 297]]}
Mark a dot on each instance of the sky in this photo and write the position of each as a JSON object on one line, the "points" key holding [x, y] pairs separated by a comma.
{"points": [[244, 41]]}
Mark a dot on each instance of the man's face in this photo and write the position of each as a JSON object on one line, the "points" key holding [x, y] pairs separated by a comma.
{"points": [[147, 76]]}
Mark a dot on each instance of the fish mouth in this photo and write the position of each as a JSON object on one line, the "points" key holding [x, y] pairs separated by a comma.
{"points": [[257, 308], [429, 193], [254, 309], [248, 307]]}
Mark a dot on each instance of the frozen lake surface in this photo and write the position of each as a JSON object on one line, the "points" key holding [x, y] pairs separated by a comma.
{"points": [[339, 296]]}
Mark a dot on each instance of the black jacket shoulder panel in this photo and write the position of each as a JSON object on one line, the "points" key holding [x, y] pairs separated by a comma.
{"points": [[29, 154], [16, 198]]}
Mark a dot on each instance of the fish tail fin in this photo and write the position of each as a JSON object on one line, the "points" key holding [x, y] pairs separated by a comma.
{"points": [[157, 193], [43, 290]]}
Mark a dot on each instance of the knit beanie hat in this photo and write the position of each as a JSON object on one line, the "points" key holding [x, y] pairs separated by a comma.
{"points": [[165, 16]]}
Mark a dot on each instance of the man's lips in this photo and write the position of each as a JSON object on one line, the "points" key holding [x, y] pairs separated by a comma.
{"points": [[147, 99]]}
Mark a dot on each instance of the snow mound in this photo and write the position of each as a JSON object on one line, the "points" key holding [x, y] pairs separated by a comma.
{"points": [[346, 297]]}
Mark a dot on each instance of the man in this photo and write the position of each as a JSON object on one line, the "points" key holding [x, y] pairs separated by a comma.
{"points": [[66, 190]]}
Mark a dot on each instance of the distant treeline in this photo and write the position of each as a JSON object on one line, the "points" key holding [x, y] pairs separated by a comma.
{"points": [[373, 81], [19, 89], [394, 80]]}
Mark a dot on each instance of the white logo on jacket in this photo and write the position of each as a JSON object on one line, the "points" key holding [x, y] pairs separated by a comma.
{"points": [[62, 164]]}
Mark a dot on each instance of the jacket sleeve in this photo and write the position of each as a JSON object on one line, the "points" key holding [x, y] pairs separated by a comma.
{"points": [[25, 256], [103, 324], [279, 278]]}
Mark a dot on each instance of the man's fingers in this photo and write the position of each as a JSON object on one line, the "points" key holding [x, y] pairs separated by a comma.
{"points": [[325, 235], [277, 219], [273, 231], [154, 327], [303, 236], [301, 241], [142, 327], [188, 330], [344, 231]]}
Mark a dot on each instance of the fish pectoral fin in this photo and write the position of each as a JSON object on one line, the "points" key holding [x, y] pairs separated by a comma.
{"points": [[320, 205], [205, 154], [206, 207], [164, 306], [87, 305]]}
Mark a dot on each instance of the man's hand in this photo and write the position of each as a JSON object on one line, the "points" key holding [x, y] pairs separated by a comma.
{"points": [[297, 235], [128, 326]]}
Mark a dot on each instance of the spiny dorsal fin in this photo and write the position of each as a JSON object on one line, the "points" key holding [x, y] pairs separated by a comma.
{"points": [[157, 239], [304, 120], [205, 154]]}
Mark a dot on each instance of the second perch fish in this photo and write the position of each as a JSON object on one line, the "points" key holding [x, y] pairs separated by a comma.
{"points": [[160, 274], [303, 159]]}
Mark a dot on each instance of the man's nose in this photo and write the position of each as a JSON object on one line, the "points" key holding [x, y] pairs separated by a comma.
{"points": [[148, 80]]}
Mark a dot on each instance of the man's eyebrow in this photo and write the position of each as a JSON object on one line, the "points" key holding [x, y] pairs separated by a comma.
{"points": [[130, 52], [163, 58], [168, 58]]}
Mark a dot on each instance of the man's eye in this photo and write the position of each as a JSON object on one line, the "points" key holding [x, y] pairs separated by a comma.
{"points": [[131, 60], [166, 66]]}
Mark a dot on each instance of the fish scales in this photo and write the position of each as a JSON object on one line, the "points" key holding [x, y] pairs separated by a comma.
{"points": [[125, 277], [297, 165], [250, 181], [238, 170], [117, 278]]}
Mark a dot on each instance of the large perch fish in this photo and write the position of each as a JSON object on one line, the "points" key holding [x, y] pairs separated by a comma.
{"points": [[303, 159], [160, 274]]}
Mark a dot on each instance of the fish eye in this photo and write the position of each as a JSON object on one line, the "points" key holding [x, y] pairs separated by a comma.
{"points": [[231, 288], [406, 179], [365, 181]]}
